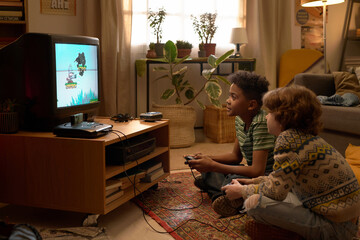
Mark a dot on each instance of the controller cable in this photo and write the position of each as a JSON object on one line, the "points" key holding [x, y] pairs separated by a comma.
{"points": [[170, 209]]}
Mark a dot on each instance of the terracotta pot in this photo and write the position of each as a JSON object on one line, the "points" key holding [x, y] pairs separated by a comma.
{"points": [[151, 54], [209, 48], [183, 52]]}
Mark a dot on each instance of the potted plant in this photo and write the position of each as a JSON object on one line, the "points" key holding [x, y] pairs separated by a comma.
{"points": [[205, 27], [156, 20], [9, 118], [151, 52], [182, 117], [184, 48]]}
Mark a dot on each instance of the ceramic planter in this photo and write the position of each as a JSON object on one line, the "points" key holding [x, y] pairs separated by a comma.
{"points": [[209, 48], [183, 52]]}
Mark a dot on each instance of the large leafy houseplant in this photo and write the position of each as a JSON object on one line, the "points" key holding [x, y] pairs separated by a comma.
{"points": [[181, 89]]}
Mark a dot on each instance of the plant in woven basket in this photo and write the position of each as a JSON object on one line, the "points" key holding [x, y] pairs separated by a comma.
{"points": [[181, 88], [8, 105], [9, 120]]}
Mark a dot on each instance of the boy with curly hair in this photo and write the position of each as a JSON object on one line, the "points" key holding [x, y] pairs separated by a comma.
{"points": [[253, 143], [312, 190]]}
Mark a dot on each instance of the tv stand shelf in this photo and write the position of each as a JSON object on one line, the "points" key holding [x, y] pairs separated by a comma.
{"points": [[41, 170]]}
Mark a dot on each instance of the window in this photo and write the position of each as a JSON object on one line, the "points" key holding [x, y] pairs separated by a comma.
{"points": [[178, 23]]}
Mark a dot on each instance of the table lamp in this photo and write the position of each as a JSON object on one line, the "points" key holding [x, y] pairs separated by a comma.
{"points": [[238, 37], [323, 3]]}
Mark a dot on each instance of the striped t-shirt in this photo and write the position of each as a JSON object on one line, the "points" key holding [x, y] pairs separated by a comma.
{"points": [[256, 138]]}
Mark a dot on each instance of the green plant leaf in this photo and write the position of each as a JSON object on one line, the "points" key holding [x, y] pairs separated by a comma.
{"points": [[223, 79], [178, 100], [160, 60], [224, 57], [170, 51], [161, 77], [176, 78], [201, 104], [181, 71], [167, 94], [213, 90], [216, 102], [207, 73], [189, 93], [212, 61], [160, 69], [179, 61]]}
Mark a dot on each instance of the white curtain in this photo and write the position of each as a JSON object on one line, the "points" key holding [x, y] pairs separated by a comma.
{"points": [[110, 21], [269, 34]]}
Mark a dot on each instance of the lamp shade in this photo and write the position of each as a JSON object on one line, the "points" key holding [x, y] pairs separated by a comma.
{"points": [[319, 3], [238, 35]]}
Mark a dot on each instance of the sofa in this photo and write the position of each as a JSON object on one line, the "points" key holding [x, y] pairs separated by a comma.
{"points": [[341, 124]]}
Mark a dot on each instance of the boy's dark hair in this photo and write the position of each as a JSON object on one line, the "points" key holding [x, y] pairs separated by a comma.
{"points": [[253, 85]]}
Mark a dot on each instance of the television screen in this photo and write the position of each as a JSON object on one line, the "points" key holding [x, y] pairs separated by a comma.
{"points": [[76, 74], [51, 77]]}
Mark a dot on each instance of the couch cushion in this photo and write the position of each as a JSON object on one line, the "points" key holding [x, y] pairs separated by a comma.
{"points": [[346, 82], [352, 156], [343, 119]]}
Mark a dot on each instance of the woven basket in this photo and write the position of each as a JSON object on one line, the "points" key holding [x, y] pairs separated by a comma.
{"points": [[218, 126], [182, 123], [9, 122]]}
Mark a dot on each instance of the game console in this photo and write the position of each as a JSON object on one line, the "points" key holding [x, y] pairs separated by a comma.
{"points": [[82, 130], [129, 150], [151, 116]]}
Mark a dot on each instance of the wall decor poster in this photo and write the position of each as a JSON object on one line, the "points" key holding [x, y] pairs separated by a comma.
{"points": [[58, 7], [312, 38], [311, 21], [308, 16]]}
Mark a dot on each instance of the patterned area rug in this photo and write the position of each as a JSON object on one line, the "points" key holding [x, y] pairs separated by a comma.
{"points": [[186, 213]]}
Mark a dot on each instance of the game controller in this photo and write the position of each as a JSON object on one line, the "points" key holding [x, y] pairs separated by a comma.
{"points": [[188, 158]]}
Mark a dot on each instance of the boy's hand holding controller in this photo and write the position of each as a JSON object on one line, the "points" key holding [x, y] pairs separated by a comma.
{"points": [[188, 158], [232, 190]]}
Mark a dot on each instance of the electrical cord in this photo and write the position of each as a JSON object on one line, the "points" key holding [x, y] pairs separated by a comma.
{"points": [[147, 211]]}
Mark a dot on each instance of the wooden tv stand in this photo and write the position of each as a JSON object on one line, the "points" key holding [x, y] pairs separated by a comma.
{"points": [[39, 169]]}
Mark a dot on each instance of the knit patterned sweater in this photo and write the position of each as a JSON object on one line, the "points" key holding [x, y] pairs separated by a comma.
{"points": [[319, 176]]}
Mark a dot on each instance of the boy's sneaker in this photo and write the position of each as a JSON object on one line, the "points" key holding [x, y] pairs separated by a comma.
{"points": [[259, 231], [225, 207], [199, 183]]}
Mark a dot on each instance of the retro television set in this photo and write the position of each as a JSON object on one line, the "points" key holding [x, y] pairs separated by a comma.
{"points": [[51, 77]]}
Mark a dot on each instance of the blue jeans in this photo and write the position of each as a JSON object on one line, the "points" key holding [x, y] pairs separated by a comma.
{"points": [[290, 214], [214, 181]]}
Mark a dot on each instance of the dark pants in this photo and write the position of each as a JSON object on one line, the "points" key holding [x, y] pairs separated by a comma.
{"points": [[214, 181]]}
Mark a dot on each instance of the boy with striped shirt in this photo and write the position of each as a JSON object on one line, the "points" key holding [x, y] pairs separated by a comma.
{"points": [[253, 143]]}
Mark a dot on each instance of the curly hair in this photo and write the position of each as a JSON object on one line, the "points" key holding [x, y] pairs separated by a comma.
{"points": [[295, 107], [253, 86]]}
